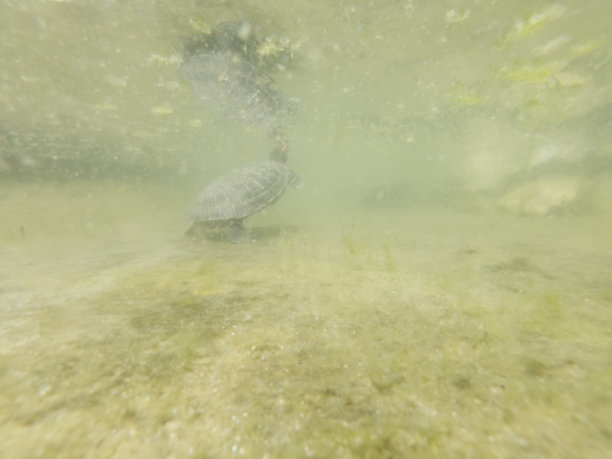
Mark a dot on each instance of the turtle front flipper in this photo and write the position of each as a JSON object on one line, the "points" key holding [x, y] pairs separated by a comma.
{"points": [[192, 229], [238, 234], [294, 180]]}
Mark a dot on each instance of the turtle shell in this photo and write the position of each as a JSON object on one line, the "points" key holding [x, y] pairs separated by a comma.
{"points": [[243, 192], [234, 87]]}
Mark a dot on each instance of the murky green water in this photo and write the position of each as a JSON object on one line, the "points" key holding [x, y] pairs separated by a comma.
{"points": [[438, 287]]}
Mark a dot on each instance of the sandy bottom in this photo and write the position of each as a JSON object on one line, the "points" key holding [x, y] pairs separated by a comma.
{"points": [[433, 333]]}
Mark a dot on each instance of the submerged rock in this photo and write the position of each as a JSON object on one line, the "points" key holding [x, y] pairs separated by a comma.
{"points": [[542, 196]]}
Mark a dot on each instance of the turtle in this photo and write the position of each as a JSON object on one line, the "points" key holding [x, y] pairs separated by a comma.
{"points": [[223, 205], [227, 75], [234, 87]]}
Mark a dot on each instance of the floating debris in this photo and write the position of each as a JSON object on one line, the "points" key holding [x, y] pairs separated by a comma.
{"points": [[454, 16], [162, 110]]}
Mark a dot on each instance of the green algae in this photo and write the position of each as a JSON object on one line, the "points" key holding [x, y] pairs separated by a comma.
{"points": [[462, 95], [534, 73]]}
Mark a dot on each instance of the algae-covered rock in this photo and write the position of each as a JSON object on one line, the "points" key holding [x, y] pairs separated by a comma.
{"points": [[542, 196]]}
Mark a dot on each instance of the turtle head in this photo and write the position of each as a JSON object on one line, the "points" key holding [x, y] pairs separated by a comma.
{"points": [[281, 152]]}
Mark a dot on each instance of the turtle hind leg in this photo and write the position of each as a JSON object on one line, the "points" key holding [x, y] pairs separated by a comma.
{"points": [[238, 234]]}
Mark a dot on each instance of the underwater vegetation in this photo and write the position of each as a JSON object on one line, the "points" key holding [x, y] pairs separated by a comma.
{"points": [[316, 340]]}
